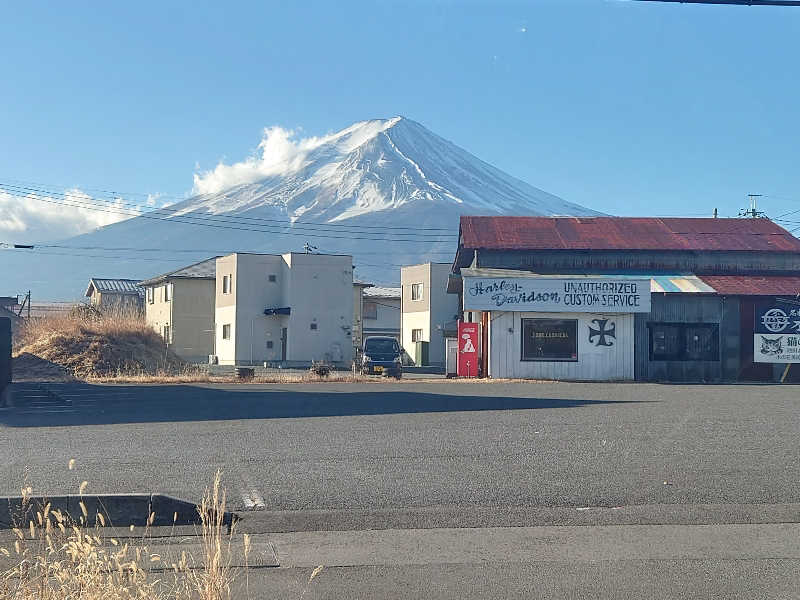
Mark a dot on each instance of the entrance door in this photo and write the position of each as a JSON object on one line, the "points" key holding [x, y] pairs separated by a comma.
{"points": [[284, 335]]}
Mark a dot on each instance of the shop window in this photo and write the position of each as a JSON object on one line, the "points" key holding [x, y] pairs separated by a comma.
{"points": [[370, 310], [684, 341], [416, 291], [550, 339], [226, 332], [416, 335]]}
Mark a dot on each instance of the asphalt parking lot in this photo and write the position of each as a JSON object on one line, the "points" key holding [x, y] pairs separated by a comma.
{"points": [[389, 446], [452, 489]]}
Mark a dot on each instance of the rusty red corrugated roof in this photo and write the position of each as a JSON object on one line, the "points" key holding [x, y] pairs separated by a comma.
{"points": [[753, 285], [625, 233]]}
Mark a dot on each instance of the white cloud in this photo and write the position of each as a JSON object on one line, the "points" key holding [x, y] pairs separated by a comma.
{"points": [[36, 218], [278, 153]]}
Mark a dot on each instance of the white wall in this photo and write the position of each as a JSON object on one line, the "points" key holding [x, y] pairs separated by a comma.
{"points": [[415, 320], [596, 363], [444, 307], [388, 321], [225, 349], [317, 288]]}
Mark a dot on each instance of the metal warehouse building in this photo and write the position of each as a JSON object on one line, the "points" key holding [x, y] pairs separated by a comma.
{"points": [[612, 298]]}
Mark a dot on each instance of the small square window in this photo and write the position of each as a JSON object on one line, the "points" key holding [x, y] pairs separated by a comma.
{"points": [[314, 326], [370, 310], [226, 332], [273, 278], [416, 335], [270, 344]]}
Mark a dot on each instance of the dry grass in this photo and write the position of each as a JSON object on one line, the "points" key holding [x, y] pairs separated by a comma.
{"points": [[57, 558], [89, 345], [54, 557]]}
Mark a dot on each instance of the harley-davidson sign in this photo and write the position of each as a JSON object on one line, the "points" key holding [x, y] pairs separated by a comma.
{"points": [[557, 294]]}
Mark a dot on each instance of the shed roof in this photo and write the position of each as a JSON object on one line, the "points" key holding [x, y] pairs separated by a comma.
{"points": [[205, 269], [114, 286], [625, 233], [754, 285], [382, 292]]}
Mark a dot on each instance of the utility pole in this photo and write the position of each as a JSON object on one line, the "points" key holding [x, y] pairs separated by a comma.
{"points": [[752, 212]]}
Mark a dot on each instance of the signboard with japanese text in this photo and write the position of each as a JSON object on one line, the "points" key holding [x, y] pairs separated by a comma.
{"points": [[467, 349], [557, 294], [776, 337]]}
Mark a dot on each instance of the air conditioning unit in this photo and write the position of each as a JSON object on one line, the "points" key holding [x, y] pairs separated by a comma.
{"points": [[213, 359]]}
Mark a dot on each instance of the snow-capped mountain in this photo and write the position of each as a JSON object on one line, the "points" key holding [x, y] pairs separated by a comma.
{"points": [[387, 191]]}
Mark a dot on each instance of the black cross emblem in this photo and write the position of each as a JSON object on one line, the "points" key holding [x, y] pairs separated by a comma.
{"points": [[602, 333]]}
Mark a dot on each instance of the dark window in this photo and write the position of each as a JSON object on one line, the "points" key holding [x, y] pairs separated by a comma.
{"points": [[370, 310], [313, 326], [226, 332], [550, 339], [269, 345], [381, 346], [416, 335], [684, 341], [273, 278]]}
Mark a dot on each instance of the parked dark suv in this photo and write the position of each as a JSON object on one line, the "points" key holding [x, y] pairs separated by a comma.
{"points": [[382, 356]]}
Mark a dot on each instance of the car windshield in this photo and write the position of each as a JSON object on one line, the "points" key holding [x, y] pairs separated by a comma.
{"points": [[380, 346]]}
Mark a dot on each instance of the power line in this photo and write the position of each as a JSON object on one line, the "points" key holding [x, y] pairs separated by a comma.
{"points": [[117, 201], [210, 222], [734, 2]]}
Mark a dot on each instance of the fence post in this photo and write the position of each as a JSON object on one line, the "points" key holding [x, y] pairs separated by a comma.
{"points": [[5, 359]]}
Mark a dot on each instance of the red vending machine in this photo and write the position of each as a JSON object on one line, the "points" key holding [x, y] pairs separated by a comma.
{"points": [[467, 349]]}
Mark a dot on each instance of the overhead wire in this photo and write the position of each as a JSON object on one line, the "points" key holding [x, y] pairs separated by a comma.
{"points": [[118, 201]]}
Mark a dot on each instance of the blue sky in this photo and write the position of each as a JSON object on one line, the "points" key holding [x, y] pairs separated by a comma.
{"points": [[630, 108]]}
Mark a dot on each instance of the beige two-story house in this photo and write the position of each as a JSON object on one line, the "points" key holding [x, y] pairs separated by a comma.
{"points": [[180, 306]]}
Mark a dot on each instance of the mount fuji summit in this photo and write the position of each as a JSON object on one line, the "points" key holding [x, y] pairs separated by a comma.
{"points": [[387, 191]]}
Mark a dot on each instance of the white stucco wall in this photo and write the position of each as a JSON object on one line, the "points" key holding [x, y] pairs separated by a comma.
{"points": [[595, 363], [317, 288], [415, 320], [388, 313]]}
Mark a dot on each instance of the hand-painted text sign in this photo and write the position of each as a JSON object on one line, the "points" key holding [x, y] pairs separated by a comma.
{"points": [[771, 348], [534, 294]]}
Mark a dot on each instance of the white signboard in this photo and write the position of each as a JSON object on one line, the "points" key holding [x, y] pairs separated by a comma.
{"points": [[776, 348], [557, 294]]}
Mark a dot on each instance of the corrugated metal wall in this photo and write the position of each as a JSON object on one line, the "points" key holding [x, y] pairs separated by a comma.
{"points": [[576, 261], [689, 308], [597, 363]]}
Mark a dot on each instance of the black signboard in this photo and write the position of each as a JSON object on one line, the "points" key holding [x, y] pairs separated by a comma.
{"points": [[550, 339], [776, 317]]}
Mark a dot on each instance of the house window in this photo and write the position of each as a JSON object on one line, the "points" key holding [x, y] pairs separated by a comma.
{"points": [[270, 344], [550, 340], [150, 296], [416, 335], [314, 326], [416, 291], [167, 292], [272, 278], [227, 284], [370, 310], [166, 334], [226, 332], [684, 341]]}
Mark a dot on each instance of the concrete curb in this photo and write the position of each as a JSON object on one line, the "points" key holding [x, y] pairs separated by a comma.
{"points": [[120, 510]]}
